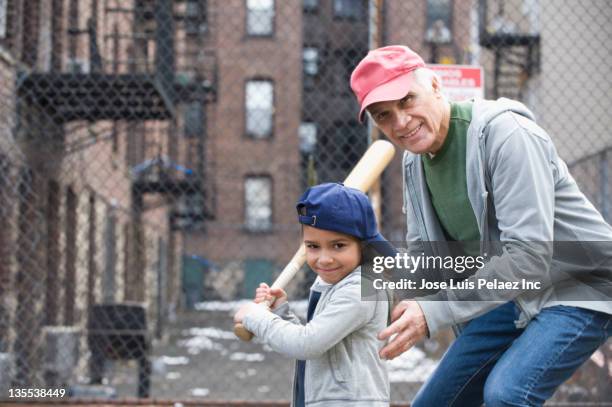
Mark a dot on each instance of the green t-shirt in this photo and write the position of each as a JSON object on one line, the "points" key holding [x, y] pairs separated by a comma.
{"points": [[447, 182]]}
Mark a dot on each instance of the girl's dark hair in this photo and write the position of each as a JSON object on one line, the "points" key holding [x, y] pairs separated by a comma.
{"points": [[367, 253]]}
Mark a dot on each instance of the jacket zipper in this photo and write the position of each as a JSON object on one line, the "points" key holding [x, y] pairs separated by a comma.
{"points": [[484, 249], [414, 200], [294, 392]]}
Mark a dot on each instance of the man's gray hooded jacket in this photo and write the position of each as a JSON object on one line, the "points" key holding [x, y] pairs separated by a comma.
{"points": [[523, 196]]}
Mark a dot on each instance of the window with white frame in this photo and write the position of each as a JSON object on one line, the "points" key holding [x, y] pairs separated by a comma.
{"points": [[310, 5], [193, 116], [310, 59], [195, 17], [3, 6], [260, 17], [308, 137], [439, 14], [258, 203], [348, 9], [259, 104]]}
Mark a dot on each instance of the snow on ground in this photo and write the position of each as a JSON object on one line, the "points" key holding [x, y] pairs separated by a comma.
{"points": [[200, 358], [411, 366], [219, 305], [209, 332], [299, 307], [247, 357], [199, 343], [200, 392], [173, 375], [174, 360], [243, 374]]}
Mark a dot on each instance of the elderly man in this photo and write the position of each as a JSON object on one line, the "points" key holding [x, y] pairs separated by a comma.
{"points": [[483, 171]]}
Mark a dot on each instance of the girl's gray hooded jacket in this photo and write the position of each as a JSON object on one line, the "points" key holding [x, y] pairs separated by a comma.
{"points": [[524, 197], [339, 343]]}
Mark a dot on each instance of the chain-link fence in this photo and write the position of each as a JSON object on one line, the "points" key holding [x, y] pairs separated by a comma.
{"points": [[152, 151]]}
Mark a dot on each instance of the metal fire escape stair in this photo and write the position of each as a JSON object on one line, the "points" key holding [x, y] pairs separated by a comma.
{"points": [[98, 95], [516, 55]]}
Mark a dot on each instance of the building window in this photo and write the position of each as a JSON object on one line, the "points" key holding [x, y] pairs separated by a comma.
{"points": [[259, 103], [310, 58], [352, 140], [339, 148], [188, 211], [3, 7], [70, 256], [439, 15], [308, 137], [73, 27], [193, 119], [260, 17], [195, 17], [258, 203], [350, 59], [310, 5], [348, 9]]}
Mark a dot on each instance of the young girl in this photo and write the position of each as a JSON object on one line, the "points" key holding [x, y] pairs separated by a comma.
{"points": [[337, 349]]}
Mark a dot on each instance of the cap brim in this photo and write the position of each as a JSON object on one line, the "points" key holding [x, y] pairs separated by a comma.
{"points": [[395, 89], [382, 246]]}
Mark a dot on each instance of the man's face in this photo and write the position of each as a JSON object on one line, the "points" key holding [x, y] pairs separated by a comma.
{"points": [[418, 122]]}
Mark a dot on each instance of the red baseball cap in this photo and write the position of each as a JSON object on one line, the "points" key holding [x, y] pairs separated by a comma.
{"points": [[384, 74]]}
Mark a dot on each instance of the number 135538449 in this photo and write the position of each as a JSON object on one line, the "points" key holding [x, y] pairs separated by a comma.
{"points": [[36, 393]]}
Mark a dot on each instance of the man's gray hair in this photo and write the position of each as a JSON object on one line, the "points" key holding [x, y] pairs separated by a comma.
{"points": [[424, 77]]}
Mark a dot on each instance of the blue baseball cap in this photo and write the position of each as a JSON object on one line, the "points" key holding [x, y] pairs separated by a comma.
{"points": [[335, 207]]}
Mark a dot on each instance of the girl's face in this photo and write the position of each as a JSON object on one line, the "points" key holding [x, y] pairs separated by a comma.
{"points": [[332, 255]]}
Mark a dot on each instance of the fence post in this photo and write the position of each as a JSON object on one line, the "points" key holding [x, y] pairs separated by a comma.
{"points": [[604, 179]]}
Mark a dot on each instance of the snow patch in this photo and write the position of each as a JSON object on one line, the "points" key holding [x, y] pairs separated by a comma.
{"points": [[198, 344], [247, 357], [174, 360], [200, 392], [411, 366], [211, 332]]}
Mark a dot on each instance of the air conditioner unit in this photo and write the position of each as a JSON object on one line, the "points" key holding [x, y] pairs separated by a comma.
{"points": [[61, 353], [78, 65]]}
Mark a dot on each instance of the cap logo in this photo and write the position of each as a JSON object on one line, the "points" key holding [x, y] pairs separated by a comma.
{"points": [[308, 220]]}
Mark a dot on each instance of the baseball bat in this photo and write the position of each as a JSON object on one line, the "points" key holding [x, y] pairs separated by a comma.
{"points": [[364, 174]]}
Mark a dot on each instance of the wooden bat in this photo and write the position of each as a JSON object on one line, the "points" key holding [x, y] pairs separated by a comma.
{"points": [[362, 177]]}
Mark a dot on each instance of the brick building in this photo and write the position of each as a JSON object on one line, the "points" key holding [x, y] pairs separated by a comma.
{"points": [[252, 156], [84, 109], [289, 67]]}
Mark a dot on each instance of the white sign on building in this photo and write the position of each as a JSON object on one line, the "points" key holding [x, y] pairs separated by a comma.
{"points": [[460, 82]]}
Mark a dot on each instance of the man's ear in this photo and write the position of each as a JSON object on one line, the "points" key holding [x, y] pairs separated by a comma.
{"points": [[436, 85]]}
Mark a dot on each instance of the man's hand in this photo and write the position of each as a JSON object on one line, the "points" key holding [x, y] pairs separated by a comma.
{"points": [[410, 326]]}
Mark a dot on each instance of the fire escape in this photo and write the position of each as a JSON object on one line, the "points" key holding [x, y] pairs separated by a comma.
{"points": [[149, 91], [516, 55], [196, 72], [96, 95], [92, 91]]}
